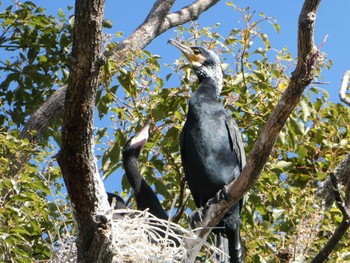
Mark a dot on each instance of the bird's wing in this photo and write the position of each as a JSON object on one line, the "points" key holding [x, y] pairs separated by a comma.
{"points": [[237, 146], [184, 159], [183, 154], [236, 141]]}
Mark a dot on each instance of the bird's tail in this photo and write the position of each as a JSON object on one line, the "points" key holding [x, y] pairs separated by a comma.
{"points": [[230, 245]]}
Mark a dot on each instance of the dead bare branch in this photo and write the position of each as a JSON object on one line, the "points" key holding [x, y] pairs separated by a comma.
{"points": [[344, 87]]}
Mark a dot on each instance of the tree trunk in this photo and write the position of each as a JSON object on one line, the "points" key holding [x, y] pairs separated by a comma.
{"points": [[76, 158]]}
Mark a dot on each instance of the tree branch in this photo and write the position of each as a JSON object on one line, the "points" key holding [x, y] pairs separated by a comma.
{"points": [[145, 33], [187, 14], [45, 115], [344, 87], [342, 172], [157, 22], [301, 77], [344, 225], [76, 158]]}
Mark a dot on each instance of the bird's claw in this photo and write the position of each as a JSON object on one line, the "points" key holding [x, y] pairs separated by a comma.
{"points": [[196, 216], [223, 194]]}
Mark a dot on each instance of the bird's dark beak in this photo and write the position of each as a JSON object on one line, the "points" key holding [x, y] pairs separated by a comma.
{"points": [[186, 50], [140, 139]]}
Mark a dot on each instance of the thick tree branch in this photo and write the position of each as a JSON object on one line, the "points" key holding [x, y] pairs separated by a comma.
{"points": [[145, 33], [342, 172], [344, 87], [343, 226], [157, 22], [76, 158], [187, 14], [301, 78], [45, 115], [161, 22]]}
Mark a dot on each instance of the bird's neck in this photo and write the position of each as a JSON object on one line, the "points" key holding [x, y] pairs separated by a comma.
{"points": [[210, 81], [130, 164], [209, 88]]}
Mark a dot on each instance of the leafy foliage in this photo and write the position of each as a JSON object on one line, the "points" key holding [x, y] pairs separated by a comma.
{"points": [[37, 48], [33, 213], [30, 219], [282, 218]]}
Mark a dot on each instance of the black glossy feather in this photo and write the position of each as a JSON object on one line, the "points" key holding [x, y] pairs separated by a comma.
{"points": [[144, 194], [212, 150]]}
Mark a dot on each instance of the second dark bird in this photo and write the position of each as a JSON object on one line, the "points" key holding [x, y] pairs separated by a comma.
{"points": [[144, 195], [212, 150]]}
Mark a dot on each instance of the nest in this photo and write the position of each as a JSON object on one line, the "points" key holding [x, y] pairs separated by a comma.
{"points": [[139, 237]]}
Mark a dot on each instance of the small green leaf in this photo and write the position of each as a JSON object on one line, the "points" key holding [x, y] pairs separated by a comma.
{"points": [[277, 213], [107, 23], [42, 59], [277, 27], [161, 188], [285, 165]]}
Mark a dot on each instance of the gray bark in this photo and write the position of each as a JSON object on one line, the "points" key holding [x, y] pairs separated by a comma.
{"points": [[76, 157]]}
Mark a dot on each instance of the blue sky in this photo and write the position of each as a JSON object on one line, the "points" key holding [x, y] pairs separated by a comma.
{"points": [[333, 19]]}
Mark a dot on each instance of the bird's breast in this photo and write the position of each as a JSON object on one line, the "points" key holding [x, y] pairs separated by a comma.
{"points": [[211, 163]]}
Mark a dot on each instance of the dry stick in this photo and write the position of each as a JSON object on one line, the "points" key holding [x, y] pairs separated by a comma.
{"points": [[158, 21], [344, 225], [344, 87], [301, 78]]}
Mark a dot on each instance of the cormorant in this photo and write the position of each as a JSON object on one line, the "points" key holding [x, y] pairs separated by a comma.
{"points": [[212, 150], [144, 195], [119, 202]]}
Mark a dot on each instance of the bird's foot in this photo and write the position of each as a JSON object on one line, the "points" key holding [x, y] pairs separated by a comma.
{"points": [[196, 216], [223, 194]]}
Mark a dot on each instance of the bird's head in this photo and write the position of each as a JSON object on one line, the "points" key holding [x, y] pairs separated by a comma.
{"points": [[205, 63], [134, 145]]}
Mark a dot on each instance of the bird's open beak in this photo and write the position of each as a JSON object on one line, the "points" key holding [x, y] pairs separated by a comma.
{"points": [[186, 50], [141, 137]]}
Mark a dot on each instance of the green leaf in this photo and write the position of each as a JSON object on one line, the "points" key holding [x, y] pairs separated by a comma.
{"points": [[161, 188], [277, 27], [114, 153], [285, 165], [296, 126], [277, 213], [302, 152], [107, 23], [42, 59]]}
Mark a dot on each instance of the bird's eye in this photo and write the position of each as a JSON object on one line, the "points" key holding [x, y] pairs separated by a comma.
{"points": [[196, 51]]}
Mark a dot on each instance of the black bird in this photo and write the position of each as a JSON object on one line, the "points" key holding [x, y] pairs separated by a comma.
{"points": [[144, 195], [212, 150], [119, 202]]}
